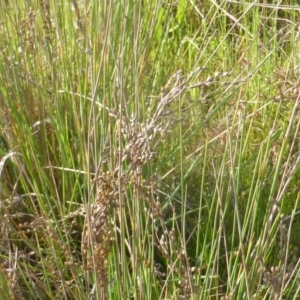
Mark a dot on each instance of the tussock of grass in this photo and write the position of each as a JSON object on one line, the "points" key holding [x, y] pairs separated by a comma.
{"points": [[149, 150]]}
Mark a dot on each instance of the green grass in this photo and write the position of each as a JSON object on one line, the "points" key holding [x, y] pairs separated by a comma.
{"points": [[149, 150]]}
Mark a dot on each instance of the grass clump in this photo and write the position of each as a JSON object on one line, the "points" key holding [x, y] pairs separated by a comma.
{"points": [[149, 150]]}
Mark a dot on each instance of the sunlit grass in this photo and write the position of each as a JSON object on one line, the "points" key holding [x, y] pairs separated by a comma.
{"points": [[149, 150]]}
